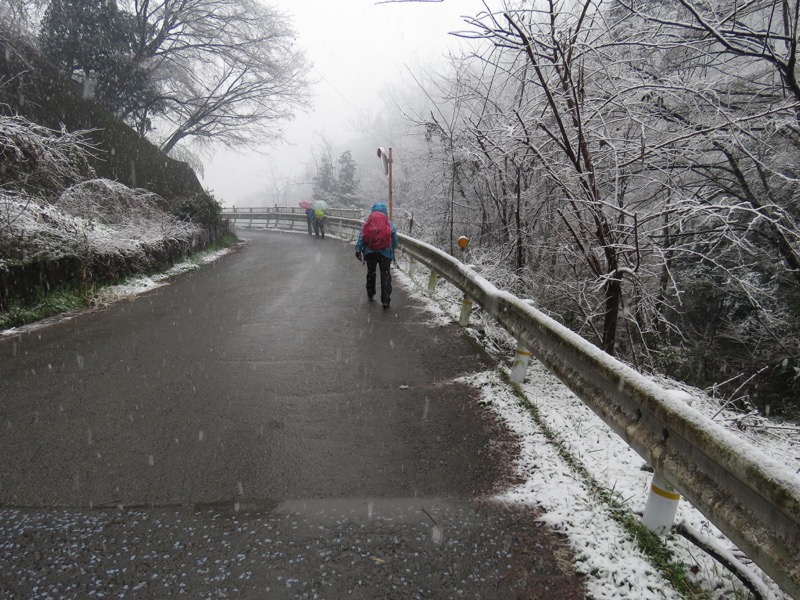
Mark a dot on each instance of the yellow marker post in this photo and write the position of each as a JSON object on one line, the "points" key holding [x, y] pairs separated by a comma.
{"points": [[520, 365], [432, 281], [466, 310], [661, 507]]}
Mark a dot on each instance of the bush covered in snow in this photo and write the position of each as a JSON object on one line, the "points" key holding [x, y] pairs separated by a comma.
{"points": [[92, 217], [61, 224], [40, 161], [51, 206]]}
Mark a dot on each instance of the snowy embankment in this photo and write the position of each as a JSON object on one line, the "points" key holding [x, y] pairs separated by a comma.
{"points": [[62, 226], [95, 224], [130, 288], [92, 218], [568, 453]]}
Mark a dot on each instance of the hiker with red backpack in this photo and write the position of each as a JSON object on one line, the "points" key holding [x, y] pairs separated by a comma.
{"points": [[375, 245]]}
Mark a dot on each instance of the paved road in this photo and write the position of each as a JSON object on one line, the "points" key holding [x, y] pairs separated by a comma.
{"points": [[257, 429]]}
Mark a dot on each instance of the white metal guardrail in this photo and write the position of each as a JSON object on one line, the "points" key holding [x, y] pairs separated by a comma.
{"points": [[339, 220], [751, 498], [280, 212]]}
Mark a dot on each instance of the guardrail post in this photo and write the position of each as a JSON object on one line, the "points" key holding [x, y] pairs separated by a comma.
{"points": [[466, 310], [662, 504], [412, 266], [520, 365], [432, 281]]}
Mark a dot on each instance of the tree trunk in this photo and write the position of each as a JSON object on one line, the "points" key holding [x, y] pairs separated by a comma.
{"points": [[613, 301], [518, 216]]}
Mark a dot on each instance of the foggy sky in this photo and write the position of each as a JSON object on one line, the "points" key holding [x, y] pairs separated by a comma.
{"points": [[357, 48]]}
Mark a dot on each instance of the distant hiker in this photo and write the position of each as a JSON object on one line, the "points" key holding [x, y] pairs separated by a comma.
{"points": [[319, 207], [376, 243], [310, 220]]}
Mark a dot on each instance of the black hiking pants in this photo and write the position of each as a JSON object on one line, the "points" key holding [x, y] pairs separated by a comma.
{"points": [[376, 259], [319, 227]]}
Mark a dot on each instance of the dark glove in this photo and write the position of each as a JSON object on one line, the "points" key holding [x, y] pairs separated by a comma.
{"points": [[358, 256]]}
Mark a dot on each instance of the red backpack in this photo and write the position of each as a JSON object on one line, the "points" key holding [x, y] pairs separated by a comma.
{"points": [[377, 231]]}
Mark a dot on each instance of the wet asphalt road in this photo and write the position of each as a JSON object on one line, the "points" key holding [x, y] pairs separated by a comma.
{"points": [[257, 429]]}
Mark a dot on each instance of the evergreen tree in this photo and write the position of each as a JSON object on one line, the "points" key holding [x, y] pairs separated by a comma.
{"points": [[337, 186], [346, 181], [325, 181], [90, 40]]}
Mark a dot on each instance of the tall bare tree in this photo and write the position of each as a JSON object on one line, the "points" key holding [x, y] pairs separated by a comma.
{"points": [[222, 71], [228, 70], [753, 49], [566, 137]]}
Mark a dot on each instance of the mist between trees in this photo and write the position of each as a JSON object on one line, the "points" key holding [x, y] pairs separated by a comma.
{"points": [[632, 166]]}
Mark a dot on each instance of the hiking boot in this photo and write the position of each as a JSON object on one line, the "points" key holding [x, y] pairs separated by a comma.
{"points": [[371, 297], [385, 305]]}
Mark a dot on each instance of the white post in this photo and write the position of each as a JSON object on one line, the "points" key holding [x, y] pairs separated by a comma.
{"points": [[662, 504], [520, 365], [466, 310], [432, 281]]}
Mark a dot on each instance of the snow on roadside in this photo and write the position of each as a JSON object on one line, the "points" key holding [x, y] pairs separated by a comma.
{"points": [[126, 291], [614, 567], [615, 466], [144, 283]]}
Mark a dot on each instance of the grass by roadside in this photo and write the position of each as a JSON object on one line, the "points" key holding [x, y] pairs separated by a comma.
{"points": [[69, 298], [46, 304]]}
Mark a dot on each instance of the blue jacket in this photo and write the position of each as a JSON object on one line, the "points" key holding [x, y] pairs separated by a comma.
{"points": [[388, 252]]}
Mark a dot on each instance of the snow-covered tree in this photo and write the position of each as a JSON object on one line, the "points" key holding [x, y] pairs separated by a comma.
{"points": [[633, 163], [347, 181], [336, 184], [721, 83], [325, 180]]}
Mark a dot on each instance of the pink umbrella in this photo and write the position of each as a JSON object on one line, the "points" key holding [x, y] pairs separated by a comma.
{"points": [[305, 204]]}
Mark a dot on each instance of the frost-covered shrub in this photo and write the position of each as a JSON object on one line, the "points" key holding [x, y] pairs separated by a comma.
{"points": [[110, 202], [97, 217], [40, 161], [202, 209], [497, 264], [51, 206]]}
